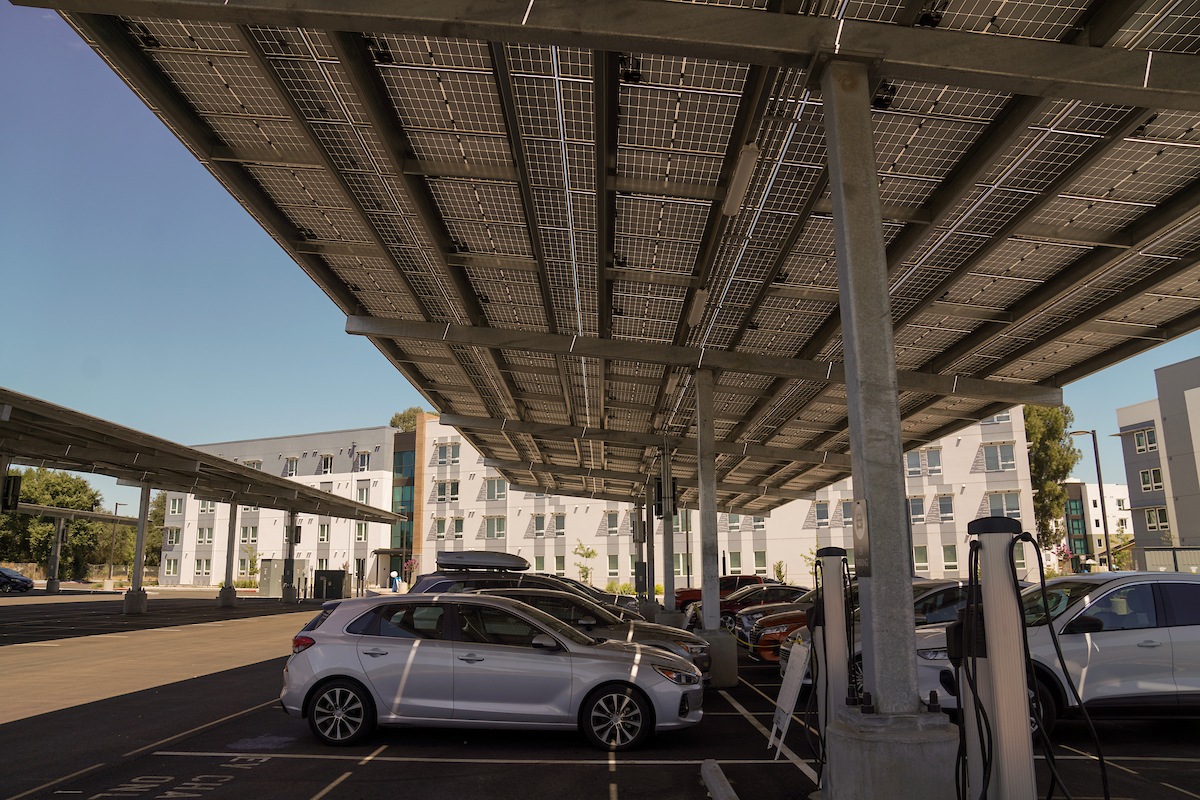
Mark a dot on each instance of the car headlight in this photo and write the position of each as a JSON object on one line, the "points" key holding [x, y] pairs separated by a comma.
{"points": [[775, 629], [937, 654], [678, 677], [693, 649]]}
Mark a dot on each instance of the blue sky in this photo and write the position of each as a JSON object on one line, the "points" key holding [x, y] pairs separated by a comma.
{"points": [[135, 289]]}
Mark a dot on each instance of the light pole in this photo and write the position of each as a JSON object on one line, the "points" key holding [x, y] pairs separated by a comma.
{"points": [[1108, 553], [112, 545]]}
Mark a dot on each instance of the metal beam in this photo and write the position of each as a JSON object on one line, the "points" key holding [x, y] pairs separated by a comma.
{"points": [[84, 455], [633, 500], [1104, 75], [691, 357]]}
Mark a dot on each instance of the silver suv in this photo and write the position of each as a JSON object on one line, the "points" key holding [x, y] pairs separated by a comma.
{"points": [[476, 661]]}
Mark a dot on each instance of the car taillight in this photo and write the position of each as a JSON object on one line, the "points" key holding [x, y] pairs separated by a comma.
{"points": [[302, 643]]}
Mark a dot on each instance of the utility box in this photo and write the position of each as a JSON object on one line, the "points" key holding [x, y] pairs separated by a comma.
{"points": [[329, 584], [270, 575]]}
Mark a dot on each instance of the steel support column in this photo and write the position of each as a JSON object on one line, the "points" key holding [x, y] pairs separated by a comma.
{"points": [[889, 650], [135, 598], [710, 595], [60, 528], [668, 543], [289, 561], [649, 531], [227, 597]]}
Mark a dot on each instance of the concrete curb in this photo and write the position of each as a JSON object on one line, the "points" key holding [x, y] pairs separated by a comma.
{"points": [[716, 782]]}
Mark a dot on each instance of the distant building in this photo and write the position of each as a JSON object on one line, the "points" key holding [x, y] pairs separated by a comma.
{"points": [[1083, 523], [453, 502], [1159, 440]]}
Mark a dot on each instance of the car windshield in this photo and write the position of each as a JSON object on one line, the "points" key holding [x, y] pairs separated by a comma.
{"points": [[9, 572], [745, 591], [556, 626], [1061, 596]]}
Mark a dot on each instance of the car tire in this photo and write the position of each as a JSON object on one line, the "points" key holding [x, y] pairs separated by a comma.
{"points": [[1045, 699], [341, 713], [616, 718], [6, 588], [728, 622]]}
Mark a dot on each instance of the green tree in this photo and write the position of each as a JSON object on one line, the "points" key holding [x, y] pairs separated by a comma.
{"points": [[27, 538], [780, 570], [1052, 456], [406, 420], [586, 553]]}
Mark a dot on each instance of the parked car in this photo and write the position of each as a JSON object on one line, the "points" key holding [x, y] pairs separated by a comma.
{"points": [[934, 600], [1131, 641], [13, 581], [752, 595], [596, 621], [479, 661], [626, 601], [464, 570], [726, 584]]}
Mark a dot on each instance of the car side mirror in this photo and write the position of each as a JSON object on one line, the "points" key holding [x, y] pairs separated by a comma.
{"points": [[586, 622], [1085, 624], [921, 619], [544, 641]]}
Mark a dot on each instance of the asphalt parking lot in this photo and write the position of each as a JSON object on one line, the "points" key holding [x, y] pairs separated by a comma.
{"points": [[221, 734]]}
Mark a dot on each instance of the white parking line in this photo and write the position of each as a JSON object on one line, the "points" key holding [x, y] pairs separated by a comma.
{"points": [[200, 728], [59, 780], [1185, 791], [784, 749], [368, 758], [574, 762], [327, 789], [1107, 760], [772, 714]]}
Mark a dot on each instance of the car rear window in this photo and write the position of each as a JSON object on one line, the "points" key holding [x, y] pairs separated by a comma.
{"points": [[316, 621]]}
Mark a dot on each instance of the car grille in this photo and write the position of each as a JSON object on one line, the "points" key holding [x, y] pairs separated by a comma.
{"points": [[756, 633]]}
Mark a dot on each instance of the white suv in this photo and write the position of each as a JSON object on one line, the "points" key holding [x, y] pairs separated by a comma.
{"points": [[1131, 641]]}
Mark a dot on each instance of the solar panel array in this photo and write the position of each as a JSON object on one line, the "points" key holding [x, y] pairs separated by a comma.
{"points": [[459, 181]]}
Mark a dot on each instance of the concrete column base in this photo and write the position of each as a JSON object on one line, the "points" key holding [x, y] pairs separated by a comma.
{"points": [[723, 649], [227, 597], [52, 586], [898, 756], [289, 594], [672, 618], [649, 609], [134, 602]]}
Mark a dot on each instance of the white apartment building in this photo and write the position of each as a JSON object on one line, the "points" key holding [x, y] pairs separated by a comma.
{"points": [[456, 503]]}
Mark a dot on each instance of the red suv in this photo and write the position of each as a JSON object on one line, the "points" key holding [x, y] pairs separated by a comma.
{"points": [[727, 583]]}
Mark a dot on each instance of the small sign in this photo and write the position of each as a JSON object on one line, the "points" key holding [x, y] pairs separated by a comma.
{"points": [[862, 541], [785, 703]]}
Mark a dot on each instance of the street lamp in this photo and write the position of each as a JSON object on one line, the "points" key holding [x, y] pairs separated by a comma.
{"points": [[1108, 553], [112, 545]]}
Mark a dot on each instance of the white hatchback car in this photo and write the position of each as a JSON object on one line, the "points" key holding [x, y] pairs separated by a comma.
{"points": [[478, 661], [1131, 641]]}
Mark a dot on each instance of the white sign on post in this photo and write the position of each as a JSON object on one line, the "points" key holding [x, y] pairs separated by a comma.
{"points": [[785, 704]]}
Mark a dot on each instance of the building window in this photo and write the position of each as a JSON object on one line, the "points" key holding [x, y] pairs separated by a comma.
{"points": [[326, 464], [256, 464], [1003, 416], [560, 565], [495, 527], [1156, 519], [447, 491], [172, 536], [613, 567], [539, 563], [447, 454], [1006, 504], [322, 563], [360, 531], [364, 462], [496, 488], [916, 510], [208, 506], [458, 527], [203, 566], [249, 508], [1146, 440], [735, 523], [172, 567], [998, 458], [560, 524], [1019, 555], [760, 523], [1152, 480], [204, 535], [912, 463], [243, 566], [847, 512], [364, 495], [683, 561], [291, 466], [614, 523], [1120, 503], [950, 557], [323, 532], [933, 461], [176, 505], [822, 514], [735, 563], [945, 504], [439, 526], [760, 562], [921, 558], [539, 525]]}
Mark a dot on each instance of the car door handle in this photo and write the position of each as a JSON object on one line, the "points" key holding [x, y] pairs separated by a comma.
{"points": [[1149, 643], [375, 653], [470, 658]]}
